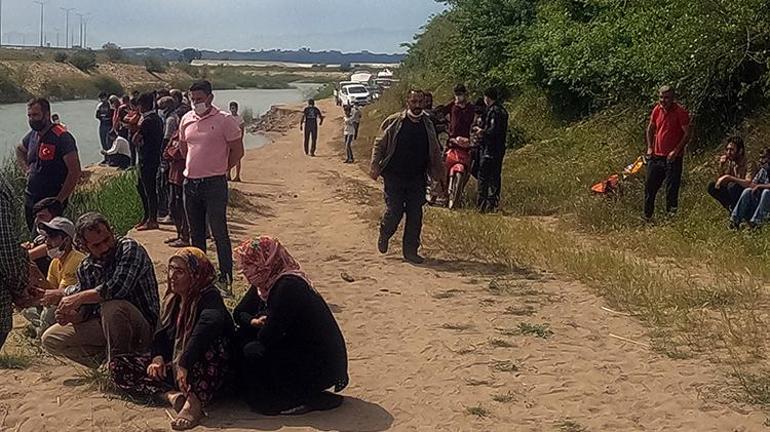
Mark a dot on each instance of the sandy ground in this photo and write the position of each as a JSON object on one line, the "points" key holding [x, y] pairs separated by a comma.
{"points": [[431, 348]]}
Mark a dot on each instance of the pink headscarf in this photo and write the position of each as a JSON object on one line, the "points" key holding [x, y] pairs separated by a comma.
{"points": [[263, 261]]}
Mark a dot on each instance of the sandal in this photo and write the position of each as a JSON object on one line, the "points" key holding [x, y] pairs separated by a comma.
{"points": [[185, 422], [171, 240], [179, 243], [149, 226]]}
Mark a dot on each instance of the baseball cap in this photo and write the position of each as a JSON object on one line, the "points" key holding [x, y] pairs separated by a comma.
{"points": [[60, 224]]}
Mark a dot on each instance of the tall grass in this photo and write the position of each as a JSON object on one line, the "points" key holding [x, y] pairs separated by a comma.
{"points": [[115, 197], [697, 284]]}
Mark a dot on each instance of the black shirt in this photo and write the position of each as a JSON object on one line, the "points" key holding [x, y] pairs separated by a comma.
{"points": [[412, 154], [104, 113], [495, 131], [152, 139], [312, 114], [45, 157]]}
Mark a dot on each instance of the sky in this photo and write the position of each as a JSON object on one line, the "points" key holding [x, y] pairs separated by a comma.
{"points": [[346, 25]]}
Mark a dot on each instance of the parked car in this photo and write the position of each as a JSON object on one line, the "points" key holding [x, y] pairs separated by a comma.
{"points": [[355, 93], [340, 86]]}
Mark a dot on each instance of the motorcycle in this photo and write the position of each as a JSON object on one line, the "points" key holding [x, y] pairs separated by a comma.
{"points": [[458, 159]]}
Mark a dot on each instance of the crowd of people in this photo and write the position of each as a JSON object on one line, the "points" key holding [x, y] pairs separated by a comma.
{"points": [[93, 297]]}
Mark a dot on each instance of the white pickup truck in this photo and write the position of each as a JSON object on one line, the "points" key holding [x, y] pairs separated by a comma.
{"points": [[355, 94]]}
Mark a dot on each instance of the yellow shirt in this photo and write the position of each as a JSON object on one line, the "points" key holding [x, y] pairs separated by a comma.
{"points": [[62, 274]]}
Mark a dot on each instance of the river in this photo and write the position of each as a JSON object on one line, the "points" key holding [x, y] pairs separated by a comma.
{"points": [[79, 117]]}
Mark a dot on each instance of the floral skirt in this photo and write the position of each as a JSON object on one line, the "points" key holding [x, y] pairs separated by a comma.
{"points": [[206, 377]]}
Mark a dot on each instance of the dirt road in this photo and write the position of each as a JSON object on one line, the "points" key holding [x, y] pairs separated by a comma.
{"points": [[449, 346]]}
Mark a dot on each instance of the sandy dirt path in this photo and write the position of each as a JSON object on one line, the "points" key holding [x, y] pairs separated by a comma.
{"points": [[432, 348]]}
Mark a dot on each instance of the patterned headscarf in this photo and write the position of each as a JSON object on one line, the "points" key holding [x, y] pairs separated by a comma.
{"points": [[184, 314], [263, 261]]}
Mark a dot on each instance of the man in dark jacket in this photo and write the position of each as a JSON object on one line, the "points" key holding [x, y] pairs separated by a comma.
{"points": [[406, 152], [492, 152], [151, 145]]}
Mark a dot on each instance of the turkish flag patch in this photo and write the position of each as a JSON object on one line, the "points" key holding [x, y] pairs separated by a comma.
{"points": [[46, 152]]}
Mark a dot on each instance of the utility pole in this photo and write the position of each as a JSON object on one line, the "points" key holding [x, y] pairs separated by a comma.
{"points": [[85, 31], [81, 28], [42, 16], [67, 40], [1, 23], [57, 30]]}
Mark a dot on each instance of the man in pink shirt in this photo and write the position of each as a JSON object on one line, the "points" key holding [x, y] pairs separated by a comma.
{"points": [[211, 141]]}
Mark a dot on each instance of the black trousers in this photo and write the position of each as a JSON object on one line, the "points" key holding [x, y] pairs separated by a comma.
{"points": [[404, 196], [163, 190], [311, 138], [206, 199], [3, 337], [148, 192], [490, 174], [727, 195], [659, 169], [178, 214]]}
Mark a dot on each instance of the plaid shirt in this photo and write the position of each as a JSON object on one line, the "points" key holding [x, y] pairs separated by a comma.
{"points": [[761, 177], [14, 261], [129, 276]]}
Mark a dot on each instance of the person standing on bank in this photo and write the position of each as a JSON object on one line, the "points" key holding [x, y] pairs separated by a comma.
{"points": [[311, 119], [405, 154], [104, 113], [150, 142], [667, 135], [49, 157], [211, 140], [492, 152]]}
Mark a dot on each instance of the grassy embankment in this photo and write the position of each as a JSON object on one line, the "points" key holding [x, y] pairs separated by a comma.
{"points": [[696, 284]]}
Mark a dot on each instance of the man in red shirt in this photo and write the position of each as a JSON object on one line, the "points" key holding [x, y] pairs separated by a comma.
{"points": [[667, 136]]}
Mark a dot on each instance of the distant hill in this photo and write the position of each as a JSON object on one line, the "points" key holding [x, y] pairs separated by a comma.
{"points": [[289, 56]]}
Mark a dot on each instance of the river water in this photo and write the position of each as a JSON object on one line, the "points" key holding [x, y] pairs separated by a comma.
{"points": [[80, 120]]}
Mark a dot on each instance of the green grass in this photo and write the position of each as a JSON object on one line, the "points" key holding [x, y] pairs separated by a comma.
{"points": [[540, 330], [115, 197], [15, 361], [477, 411]]}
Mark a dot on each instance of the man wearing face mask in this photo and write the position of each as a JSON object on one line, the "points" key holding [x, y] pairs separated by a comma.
{"points": [[49, 157], [62, 273], [211, 140], [405, 154], [114, 307]]}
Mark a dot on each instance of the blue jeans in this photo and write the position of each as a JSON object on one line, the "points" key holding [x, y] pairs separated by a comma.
{"points": [[752, 207]]}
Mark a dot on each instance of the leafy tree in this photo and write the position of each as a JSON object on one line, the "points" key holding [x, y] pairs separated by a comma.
{"points": [[155, 64], [85, 60], [190, 54], [60, 57], [113, 52]]}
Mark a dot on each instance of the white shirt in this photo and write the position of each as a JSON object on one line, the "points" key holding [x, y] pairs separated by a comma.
{"points": [[119, 146]]}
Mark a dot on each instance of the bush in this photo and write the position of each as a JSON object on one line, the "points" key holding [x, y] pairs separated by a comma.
{"points": [[107, 84], [113, 52], [85, 60], [10, 91], [155, 65], [60, 57]]}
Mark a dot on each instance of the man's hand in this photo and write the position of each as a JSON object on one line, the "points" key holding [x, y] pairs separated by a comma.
{"points": [[719, 181], [672, 155], [27, 246], [69, 304], [52, 297], [258, 322], [157, 369], [64, 318], [181, 379], [723, 159]]}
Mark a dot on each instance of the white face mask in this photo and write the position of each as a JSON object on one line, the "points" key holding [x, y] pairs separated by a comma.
{"points": [[200, 108], [415, 116], [55, 253]]}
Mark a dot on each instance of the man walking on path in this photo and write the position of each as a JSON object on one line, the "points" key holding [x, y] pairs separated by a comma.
{"points": [[405, 153], [667, 136], [104, 114], [311, 119], [49, 157], [492, 152], [150, 141], [211, 140], [14, 264]]}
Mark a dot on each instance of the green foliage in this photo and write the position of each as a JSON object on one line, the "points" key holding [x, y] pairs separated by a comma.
{"points": [[85, 60], [116, 198], [586, 55], [190, 54], [155, 64], [60, 57], [108, 84], [113, 52], [10, 91]]}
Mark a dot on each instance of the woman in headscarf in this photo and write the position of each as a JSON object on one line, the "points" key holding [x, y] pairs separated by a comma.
{"points": [[191, 356], [292, 348]]}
